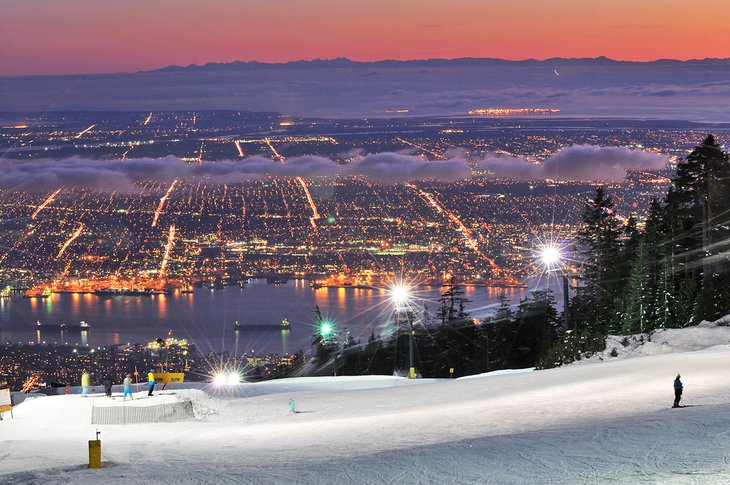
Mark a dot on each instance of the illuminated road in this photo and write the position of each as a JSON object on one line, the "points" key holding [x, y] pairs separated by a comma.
{"points": [[147, 120], [469, 238], [422, 148], [73, 237], [240, 150], [124, 155], [81, 133], [161, 205], [277, 155], [310, 200], [315, 213], [168, 249], [45, 203]]}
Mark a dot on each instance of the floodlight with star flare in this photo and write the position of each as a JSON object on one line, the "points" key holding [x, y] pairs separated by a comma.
{"points": [[400, 295], [550, 256]]}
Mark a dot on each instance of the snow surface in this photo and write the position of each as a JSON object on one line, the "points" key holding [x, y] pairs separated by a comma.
{"points": [[665, 341], [600, 422]]}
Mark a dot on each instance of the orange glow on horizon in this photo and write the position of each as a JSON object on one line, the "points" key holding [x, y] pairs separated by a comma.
{"points": [[80, 36]]}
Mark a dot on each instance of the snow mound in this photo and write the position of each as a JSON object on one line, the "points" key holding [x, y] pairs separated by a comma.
{"points": [[142, 400], [500, 372], [706, 335]]}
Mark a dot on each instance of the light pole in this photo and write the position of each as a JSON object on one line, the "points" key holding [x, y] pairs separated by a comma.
{"points": [[402, 298], [411, 364], [552, 258], [327, 336]]}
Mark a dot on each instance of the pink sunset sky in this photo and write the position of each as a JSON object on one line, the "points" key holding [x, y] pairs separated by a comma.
{"points": [[92, 36]]}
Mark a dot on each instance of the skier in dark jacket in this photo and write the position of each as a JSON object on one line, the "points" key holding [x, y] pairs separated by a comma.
{"points": [[677, 391], [107, 383]]}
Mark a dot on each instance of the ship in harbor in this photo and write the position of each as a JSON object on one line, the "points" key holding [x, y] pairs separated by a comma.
{"points": [[83, 326], [124, 292], [284, 325], [505, 282], [276, 280]]}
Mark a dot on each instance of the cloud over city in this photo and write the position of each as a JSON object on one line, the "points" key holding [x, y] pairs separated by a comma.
{"points": [[576, 162], [390, 167], [124, 175]]}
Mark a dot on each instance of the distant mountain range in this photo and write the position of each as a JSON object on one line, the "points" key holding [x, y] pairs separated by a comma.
{"points": [[593, 87], [458, 62]]}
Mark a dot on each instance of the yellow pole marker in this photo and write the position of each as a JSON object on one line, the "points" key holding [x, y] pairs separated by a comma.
{"points": [[95, 452]]}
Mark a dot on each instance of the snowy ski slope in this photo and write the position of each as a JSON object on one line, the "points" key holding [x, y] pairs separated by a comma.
{"points": [[598, 422]]}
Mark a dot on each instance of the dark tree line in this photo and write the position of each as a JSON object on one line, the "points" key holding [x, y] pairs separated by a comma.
{"points": [[452, 344]]}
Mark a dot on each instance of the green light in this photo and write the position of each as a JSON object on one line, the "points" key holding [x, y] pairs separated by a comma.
{"points": [[331, 220], [325, 329]]}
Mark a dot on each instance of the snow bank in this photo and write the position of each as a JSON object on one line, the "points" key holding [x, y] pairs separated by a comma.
{"points": [[500, 372], [706, 335]]}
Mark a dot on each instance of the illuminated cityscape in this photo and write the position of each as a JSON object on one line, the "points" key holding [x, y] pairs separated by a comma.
{"points": [[167, 236], [364, 242]]}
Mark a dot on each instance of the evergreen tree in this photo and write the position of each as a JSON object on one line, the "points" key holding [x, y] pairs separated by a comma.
{"points": [[697, 212], [658, 281], [452, 303], [324, 344], [498, 335], [632, 238], [596, 300], [638, 297], [537, 328]]}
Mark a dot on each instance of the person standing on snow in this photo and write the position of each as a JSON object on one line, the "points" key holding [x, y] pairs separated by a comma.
{"points": [[107, 383], [151, 382], [292, 406], [127, 387], [85, 383], [677, 391]]}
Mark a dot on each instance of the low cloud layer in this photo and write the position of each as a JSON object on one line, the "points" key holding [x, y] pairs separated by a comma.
{"points": [[123, 175], [577, 162], [392, 167]]}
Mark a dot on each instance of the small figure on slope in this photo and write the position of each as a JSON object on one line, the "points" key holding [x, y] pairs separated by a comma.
{"points": [[85, 383], [151, 382], [128, 387], [107, 383], [292, 406], [677, 391]]}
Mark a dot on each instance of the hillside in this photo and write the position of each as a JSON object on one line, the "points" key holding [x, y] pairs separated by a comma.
{"points": [[600, 422]]}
